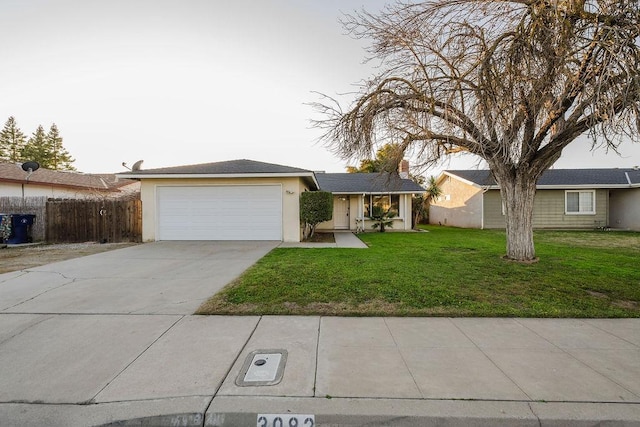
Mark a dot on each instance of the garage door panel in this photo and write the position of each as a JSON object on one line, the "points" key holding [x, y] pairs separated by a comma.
{"points": [[220, 213]]}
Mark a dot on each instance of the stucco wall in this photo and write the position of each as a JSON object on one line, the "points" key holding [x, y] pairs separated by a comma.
{"points": [[353, 209], [37, 190], [548, 211], [291, 189], [625, 209], [460, 205]]}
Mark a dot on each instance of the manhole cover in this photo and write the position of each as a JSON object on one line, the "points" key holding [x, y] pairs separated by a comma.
{"points": [[262, 367]]}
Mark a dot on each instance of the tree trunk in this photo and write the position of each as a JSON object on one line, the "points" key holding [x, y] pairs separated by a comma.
{"points": [[518, 190]]}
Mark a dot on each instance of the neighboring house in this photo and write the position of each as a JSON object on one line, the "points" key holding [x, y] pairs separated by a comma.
{"points": [[15, 182], [354, 194], [242, 200], [565, 199]]}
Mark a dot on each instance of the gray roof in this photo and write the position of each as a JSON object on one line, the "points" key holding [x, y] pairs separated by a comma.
{"points": [[351, 183], [597, 178], [230, 167]]}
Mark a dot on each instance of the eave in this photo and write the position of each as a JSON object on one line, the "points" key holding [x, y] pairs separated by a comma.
{"points": [[309, 176], [382, 193], [55, 185]]}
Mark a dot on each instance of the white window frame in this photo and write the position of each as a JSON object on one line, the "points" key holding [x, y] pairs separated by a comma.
{"points": [[580, 211], [401, 209]]}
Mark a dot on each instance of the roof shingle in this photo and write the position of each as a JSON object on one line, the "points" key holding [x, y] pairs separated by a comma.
{"points": [[366, 183], [229, 167], [601, 178], [12, 172]]}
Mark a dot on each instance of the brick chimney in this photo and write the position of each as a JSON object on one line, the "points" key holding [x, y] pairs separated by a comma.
{"points": [[403, 169]]}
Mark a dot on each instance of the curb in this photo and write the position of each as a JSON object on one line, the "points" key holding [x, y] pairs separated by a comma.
{"points": [[242, 411], [236, 411]]}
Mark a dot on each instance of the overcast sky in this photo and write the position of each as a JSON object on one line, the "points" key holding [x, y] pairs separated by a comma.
{"points": [[176, 82]]}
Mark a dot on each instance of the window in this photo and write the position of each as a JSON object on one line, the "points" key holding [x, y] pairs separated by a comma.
{"points": [[580, 202], [385, 201]]}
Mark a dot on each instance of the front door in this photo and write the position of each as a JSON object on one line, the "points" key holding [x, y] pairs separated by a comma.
{"points": [[341, 213]]}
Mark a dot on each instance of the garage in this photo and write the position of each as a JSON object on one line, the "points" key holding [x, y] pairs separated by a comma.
{"points": [[220, 212], [229, 200]]}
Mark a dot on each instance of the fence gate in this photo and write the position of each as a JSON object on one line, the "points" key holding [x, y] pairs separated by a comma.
{"points": [[111, 221], [28, 205]]}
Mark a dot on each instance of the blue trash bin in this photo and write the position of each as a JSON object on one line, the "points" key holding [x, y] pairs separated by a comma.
{"points": [[21, 228]]}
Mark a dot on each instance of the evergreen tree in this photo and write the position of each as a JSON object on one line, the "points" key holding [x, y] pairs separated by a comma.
{"points": [[37, 149], [59, 157], [387, 159], [12, 141]]}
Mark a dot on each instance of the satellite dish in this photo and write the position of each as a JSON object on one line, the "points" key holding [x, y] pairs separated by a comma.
{"points": [[137, 165], [30, 166]]}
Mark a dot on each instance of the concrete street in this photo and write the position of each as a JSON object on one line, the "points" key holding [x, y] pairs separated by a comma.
{"points": [[110, 337]]}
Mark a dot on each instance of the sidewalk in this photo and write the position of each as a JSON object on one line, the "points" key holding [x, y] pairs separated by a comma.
{"points": [[343, 239], [182, 370]]}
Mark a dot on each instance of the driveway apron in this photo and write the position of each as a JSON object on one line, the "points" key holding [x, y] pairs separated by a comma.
{"points": [[171, 277]]}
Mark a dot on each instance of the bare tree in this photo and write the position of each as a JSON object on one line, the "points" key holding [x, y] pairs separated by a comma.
{"points": [[511, 81]]}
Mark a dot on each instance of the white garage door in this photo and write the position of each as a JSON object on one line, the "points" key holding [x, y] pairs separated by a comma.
{"points": [[234, 212]]}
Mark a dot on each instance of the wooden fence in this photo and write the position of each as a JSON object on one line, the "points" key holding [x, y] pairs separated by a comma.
{"points": [[103, 221], [28, 206], [73, 220]]}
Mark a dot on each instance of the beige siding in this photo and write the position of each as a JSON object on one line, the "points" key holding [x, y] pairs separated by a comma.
{"points": [[291, 188], [302, 187], [548, 211], [398, 225], [493, 217], [460, 204], [625, 209], [355, 210]]}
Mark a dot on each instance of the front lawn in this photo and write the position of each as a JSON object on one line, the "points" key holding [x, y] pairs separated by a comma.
{"points": [[445, 272]]}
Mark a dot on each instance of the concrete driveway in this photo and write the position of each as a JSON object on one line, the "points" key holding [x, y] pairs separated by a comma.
{"points": [[153, 278], [79, 336]]}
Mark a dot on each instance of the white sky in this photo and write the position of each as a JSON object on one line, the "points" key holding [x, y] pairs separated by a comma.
{"points": [[176, 82]]}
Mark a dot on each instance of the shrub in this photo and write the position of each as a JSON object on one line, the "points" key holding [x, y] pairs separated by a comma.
{"points": [[315, 207]]}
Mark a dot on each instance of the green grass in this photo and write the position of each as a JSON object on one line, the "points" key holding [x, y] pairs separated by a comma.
{"points": [[445, 272]]}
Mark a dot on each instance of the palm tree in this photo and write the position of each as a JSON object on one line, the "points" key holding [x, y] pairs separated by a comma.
{"points": [[421, 203], [433, 191], [382, 218]]}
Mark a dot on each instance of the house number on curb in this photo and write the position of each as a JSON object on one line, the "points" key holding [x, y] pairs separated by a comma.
{"points": [[286, 420]]}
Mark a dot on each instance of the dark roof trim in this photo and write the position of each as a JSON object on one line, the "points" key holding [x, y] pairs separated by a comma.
{"points": [[227, 169]]}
